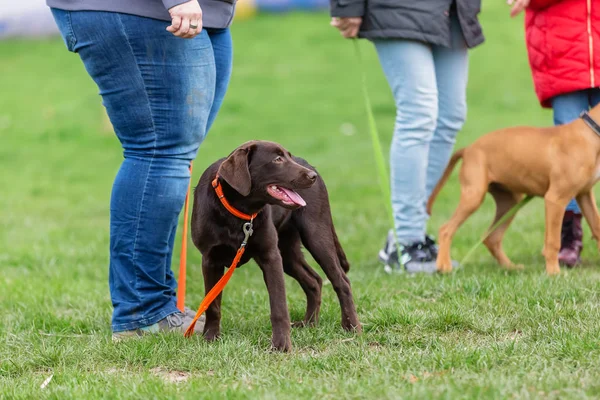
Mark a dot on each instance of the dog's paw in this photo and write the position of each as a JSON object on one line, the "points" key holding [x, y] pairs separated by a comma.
{"points": [[352, 325], [298, 324], [444, 269], [304, 324], [514, 267], [281, 343], [211, 334]]}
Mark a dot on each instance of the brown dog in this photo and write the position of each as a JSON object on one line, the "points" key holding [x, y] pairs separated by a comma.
{"points": [[292, 208], [557, 163]]}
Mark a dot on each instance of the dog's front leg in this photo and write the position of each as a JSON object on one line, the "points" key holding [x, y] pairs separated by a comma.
{"points": [[272, 267], [212, 273], [555, 210]]}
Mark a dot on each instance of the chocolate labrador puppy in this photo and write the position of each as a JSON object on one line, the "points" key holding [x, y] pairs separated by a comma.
{"points": [[292, 209]]}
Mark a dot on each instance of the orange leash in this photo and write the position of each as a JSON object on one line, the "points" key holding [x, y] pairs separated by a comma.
{"points": [[183, 258], [218, 288]]}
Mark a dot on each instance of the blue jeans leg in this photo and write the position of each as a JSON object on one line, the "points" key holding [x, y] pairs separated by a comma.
{"points": [[451, 73], [158, 91], [429, 87], [594, 97], [410, 71], [223, 54], [566, 108]]}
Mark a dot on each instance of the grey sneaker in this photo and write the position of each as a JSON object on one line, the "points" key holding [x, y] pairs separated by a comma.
{"points": [[191, 313], [414, 258], [177, 322]]}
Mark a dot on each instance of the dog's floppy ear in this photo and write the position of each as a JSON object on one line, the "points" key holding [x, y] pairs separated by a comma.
{"points": [[234, 170]]}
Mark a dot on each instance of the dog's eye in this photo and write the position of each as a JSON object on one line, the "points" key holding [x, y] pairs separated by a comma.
{"points": [[278, 159]]}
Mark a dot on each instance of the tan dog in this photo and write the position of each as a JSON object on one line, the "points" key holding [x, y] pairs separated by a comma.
{"points": [[557, 163]]}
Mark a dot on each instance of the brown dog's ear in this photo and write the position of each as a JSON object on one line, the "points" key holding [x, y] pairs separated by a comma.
{"points": [[234, 170]]}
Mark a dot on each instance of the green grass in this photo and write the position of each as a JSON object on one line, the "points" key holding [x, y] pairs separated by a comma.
{"points": [[480, 332]]}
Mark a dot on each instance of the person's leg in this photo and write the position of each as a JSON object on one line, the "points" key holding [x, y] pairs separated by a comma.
{"points": [[223, 51], [594, 96], [158, 91], [409, 69], [567, 108], [451, 73], [223, 54]]}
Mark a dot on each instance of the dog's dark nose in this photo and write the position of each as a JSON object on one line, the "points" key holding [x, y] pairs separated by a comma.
{"points": [[311, 175]]}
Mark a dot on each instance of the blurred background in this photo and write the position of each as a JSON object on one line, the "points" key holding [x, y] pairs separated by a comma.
{"points": [[295, 80]]}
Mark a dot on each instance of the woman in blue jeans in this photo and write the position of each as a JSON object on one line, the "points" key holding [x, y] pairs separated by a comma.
{"points": [[422, 47], [162, 68]]}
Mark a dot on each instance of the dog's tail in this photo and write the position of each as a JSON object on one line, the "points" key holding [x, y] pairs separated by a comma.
{"points": [[451, 164], [340, 252]]}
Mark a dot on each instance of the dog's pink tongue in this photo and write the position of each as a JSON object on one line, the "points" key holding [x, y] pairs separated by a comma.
{"points": [[295, 197]]}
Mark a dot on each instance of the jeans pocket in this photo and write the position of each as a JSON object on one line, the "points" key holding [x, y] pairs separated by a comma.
{"points": [[63, 21]]}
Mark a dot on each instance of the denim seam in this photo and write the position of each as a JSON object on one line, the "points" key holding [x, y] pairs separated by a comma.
{"points": [[137, 229], [72, 38]]}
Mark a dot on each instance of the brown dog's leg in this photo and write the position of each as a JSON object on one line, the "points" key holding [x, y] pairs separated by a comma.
{"points": [[295, 265], [587, 203], [319, 241], [504, 202], [212, 274], [555, 210], [474, 185], [271, 265]]}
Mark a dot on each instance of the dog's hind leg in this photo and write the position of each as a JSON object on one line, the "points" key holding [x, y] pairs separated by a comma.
{"points": [[318, 240], [555, 209], [295, 265], [505, 201], [474, 184], [587, 203]]}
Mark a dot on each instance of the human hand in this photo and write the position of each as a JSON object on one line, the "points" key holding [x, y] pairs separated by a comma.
{"points": [[186, 19], [348, 26], [517, 6]]}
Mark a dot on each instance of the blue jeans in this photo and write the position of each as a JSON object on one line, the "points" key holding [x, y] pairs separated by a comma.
{"points": [[566, 108], [429, 87], [161, 93]]}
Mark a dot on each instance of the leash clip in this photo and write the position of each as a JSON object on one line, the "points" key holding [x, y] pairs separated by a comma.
{"points": [[248, 231]]}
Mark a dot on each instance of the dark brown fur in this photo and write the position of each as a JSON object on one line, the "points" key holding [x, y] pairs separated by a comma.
{"points": [[279, 233]]}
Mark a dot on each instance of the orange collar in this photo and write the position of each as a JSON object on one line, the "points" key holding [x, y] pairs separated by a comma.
{"points": [[219, 190]]}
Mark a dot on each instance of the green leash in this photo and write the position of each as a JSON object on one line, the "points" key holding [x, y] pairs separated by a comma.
{"points": [[382, 171]]}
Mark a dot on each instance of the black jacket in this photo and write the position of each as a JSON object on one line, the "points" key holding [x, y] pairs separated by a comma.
{"points": [[423, 20]]}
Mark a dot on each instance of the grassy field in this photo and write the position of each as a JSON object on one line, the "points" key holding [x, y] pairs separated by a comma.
{"points": [[480, 332]]}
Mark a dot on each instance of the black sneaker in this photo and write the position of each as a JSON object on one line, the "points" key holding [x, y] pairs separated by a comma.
{"points": [[389, 254], [432, 247], [414, 258]]}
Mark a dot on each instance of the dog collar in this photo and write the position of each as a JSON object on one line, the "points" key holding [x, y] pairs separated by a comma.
{"points": [[234, 211], [590, 122]]}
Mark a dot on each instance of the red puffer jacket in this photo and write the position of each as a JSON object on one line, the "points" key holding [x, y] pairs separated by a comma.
{"points": [[563, 43]]}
